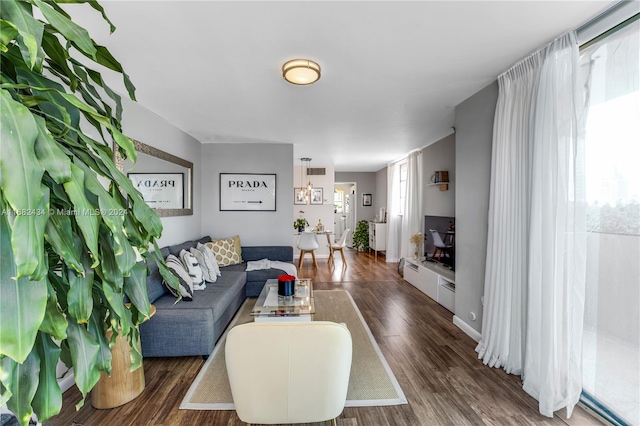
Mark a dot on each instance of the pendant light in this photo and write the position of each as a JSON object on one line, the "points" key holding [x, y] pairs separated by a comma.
{"points": [[302, 190], [309, 184]]}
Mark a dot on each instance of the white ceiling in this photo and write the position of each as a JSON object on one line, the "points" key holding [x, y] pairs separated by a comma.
{"points": [[392, 72]]}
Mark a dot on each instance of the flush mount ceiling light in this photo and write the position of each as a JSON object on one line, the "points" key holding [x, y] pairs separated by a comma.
{"points": [[301, 71]]}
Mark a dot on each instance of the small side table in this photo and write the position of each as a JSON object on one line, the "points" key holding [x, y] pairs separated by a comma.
{"points": [[123, 385]]}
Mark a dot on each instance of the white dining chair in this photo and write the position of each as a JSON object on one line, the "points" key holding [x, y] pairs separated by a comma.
{"points": [[439, 245], [339, 246], [307, 243]]}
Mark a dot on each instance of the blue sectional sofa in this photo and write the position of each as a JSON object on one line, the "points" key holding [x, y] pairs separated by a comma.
{"points": [[192, 328]]}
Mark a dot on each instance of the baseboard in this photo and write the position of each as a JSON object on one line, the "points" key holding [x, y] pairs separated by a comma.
{"points": [[471, 332]]}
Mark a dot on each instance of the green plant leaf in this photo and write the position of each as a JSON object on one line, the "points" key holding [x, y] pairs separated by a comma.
{"points": [[135, 287], [123, 141], [80, 297], [108, 269], [40, 221], [8, 33], [50, 155], [141, 210], [111, 212], [47, 400], [58, 106], [23, 387], [84, 214], [127, 257], [96, 329], [54, 322], [116, 304], [20, 176], [58, 57], [71, 31], [94, 5], [30, 29], [7, 366], [61, 287], [104, 58], [59, 233], [23, 302], [135, 354], [84, 352], [166, 275], [95, 76]]}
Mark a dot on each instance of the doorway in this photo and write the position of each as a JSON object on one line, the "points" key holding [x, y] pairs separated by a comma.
{"points": [[344, 209]]}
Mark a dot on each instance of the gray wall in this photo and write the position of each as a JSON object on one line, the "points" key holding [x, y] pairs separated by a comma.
{"points": [[254, 228], [380, 199], [439, 156], [147, 127], [474, 133], [365, 184]]}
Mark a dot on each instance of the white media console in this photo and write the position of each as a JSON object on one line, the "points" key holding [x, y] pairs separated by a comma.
{"points": [[436, 281]]}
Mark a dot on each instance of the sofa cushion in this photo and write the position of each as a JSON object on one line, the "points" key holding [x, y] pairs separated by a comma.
{"points": [[215, 298], [281, 253], [192, 266], [209, 258], [175, 250], [203, 240], [240, 267], [227, 250], [208, 273], [185, 287]]}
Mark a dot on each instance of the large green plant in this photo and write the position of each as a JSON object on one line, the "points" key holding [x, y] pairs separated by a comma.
{"points": [[70, 221], [361, 236]]}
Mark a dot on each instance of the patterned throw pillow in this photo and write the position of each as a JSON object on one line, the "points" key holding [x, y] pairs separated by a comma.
{"points": [[186, 285], [192, 266], [227, 250], [207, 274], [210, 257]]}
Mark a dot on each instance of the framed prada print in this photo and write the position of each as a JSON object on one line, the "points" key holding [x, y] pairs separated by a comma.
{"points": [[247, 191], [160, 190]]}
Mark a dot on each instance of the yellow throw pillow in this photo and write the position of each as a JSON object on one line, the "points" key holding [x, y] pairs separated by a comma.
{"points": [[227, 250]]}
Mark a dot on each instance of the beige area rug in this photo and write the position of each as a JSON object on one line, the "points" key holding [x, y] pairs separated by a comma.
{"points": [[371, 382]]}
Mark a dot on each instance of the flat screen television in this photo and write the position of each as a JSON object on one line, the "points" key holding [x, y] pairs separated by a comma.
{"points": [[445, 226]]}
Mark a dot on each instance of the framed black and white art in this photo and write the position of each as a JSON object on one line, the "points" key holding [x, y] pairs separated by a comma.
{"points": [[247, 191], [316, 196], [299, 196], [160, 190]]}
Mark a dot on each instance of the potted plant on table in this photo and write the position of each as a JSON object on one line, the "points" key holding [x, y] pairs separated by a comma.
{"points": [[300, 223], [70, 220]]}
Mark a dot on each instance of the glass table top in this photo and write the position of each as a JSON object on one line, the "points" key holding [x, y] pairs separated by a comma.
{"points": [[271, 304]]}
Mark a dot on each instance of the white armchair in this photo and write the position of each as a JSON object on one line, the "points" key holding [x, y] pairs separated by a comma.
{"points": [[289, 372]]}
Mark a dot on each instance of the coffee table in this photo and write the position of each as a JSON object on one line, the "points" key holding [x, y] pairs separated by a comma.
{"points": [[272, 307]]}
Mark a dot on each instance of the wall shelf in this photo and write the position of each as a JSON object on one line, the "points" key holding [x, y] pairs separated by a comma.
{"points": [[440, 178]]}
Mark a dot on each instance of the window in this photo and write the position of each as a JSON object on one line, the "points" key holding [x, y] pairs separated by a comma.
{"points": [[611, 345]]}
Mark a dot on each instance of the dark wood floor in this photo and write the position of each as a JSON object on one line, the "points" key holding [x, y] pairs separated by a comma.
{"points": [[434, 362]]}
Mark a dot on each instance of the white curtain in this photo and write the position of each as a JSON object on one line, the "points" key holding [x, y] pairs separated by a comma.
{"points": [[534, 281], [412, 218], [406, 220], [394, 219], [506, 270]]}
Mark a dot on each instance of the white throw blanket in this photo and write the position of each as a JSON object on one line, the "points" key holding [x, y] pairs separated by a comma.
{"points": [[256, 265]]}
